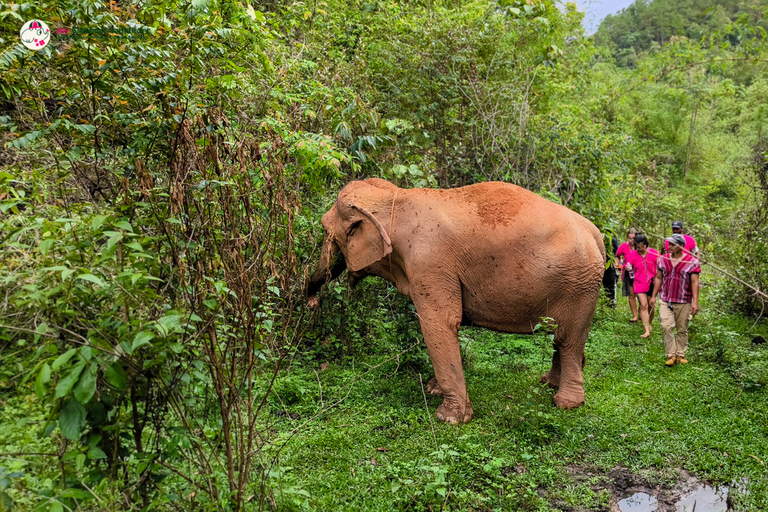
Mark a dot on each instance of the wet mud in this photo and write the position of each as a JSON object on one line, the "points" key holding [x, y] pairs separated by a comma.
{"points": [[633, 492]]}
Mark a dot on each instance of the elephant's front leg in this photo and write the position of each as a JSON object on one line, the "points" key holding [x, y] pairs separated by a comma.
{"points": [[440, 324]]}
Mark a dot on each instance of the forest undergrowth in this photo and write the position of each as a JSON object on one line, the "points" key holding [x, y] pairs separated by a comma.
{"points": [[356, 430]]}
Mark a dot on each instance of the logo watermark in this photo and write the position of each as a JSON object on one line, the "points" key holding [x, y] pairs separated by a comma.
{"points": [[35, 34], [103, 32]]}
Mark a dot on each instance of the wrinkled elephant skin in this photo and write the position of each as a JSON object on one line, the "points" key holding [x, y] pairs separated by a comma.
{"points": [[492, 255]]}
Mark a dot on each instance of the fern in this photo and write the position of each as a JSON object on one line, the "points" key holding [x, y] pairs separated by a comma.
{"points": [[10, 55]]}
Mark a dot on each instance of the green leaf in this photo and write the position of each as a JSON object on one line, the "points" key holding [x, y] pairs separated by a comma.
{"points": [[141, 339], [6, 503], [98, 221], [63, 358], [43, 378], [85, 128], [124, 225], [167, 324], [96, 453], [86, 386], [46, 245], [114, 239], [55, 269], [115, 375], [72, 419], [65, 384], [92, 278]]}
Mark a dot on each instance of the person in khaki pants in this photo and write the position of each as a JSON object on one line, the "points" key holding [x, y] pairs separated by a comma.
{"points": [[677, 280]]}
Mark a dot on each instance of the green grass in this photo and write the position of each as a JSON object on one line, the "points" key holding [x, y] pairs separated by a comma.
{"points": [[369, 442], [709, 417]]}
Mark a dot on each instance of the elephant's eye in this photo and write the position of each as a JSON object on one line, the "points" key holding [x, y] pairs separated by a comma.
{"points": [[353, 227]]}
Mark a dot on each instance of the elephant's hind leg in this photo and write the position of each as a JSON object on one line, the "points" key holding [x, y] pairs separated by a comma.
{"points": [[433, 388], [570, 348], [552, 377]]}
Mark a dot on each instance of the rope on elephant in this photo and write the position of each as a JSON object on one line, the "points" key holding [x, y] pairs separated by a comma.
{"points": [[392, 223]]}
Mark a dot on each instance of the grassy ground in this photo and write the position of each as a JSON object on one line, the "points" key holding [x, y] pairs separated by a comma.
{"points": [[380, 448], [364, 438]]}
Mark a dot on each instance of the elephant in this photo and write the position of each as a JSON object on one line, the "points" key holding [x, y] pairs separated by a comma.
{"points": [[492, 255]]}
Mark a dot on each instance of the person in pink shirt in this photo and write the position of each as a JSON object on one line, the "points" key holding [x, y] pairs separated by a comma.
{"points": [[627, 287], [642, 263], [690, 243]]}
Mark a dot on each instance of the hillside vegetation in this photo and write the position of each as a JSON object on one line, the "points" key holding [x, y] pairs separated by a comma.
{"points": [[646, 26], [160, 201]]}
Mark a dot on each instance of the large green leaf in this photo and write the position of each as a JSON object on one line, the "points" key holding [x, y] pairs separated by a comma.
{"points": [[65, 383], [115, 375], [6, 503], [141, 339], [63, 358], [167, 324], [92, 278], [96, 453], [86, 386], [46, 245], [72, 419], [98, 221], [124, 225], [42, 379]]}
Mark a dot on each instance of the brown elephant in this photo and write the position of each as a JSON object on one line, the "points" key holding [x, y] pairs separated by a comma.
{"points": [[492, 255]]}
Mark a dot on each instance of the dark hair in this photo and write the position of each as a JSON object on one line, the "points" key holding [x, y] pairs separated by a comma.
{"points": [[641, 239], [631, 231]]}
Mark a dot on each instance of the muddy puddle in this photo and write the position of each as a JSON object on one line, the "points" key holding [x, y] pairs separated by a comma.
{"points": [[631, 492], [638, 502], [703, 498]]}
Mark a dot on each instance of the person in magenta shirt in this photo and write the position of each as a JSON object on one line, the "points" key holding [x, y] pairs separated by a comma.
{"points": [[627, 287], [643, 264], [690, 244]]}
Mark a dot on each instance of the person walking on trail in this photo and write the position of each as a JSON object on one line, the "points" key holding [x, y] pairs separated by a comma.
{"points": [[611, 275], [627, 288], [643, 263], [690, 243], [677, 282]]}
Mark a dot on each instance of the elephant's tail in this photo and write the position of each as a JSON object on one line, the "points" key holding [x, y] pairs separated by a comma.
{"points": [[598, 238]]}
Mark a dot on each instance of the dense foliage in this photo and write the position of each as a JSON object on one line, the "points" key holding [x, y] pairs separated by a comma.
{"points": [[160, 195], [646, 26]]}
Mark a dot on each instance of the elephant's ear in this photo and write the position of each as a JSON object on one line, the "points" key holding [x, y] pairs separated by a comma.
{"points": [[367, 242]]}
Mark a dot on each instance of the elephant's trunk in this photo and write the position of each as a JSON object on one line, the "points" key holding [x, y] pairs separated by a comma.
{"points": [[331, 265]]}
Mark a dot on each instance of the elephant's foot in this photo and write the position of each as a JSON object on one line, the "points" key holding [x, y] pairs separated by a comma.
{"points": [[433, 388], [550, 380], [569, 400], [454, 414]]}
